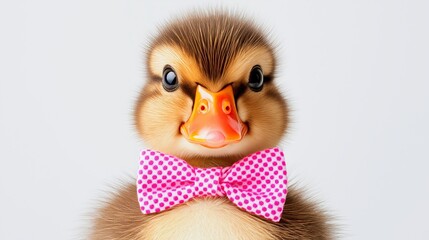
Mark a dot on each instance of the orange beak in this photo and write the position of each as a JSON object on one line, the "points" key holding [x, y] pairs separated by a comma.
{"points": [[214, 121]]}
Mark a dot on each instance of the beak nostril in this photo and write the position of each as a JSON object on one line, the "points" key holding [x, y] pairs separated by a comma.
{"points": [[226, 107], [203, 108]]}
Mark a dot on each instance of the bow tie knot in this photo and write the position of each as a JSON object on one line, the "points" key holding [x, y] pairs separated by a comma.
{"points": [[257, 183], [207, 182]]}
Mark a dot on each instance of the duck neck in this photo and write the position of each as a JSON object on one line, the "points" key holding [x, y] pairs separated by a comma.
{"points": [[206, 162]]}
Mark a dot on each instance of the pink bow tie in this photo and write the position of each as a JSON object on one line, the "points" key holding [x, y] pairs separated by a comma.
{"points": [[256, 183]]}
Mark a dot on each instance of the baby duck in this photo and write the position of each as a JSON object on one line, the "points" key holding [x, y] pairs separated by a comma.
{"points": [[211, 100]]}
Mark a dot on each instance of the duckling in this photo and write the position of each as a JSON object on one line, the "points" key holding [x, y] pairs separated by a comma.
{"points": [[210, 99]]}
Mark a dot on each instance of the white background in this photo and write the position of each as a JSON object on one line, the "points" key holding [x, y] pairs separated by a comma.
{"points": [[355, 73]]}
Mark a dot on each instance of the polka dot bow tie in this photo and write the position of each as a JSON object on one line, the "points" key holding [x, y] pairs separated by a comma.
{"points": [[256, 183]]}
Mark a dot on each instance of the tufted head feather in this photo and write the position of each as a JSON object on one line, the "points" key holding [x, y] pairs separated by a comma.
{"points": [[212, 39]]}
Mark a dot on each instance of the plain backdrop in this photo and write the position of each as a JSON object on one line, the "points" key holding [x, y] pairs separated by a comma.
{"points": [[355, 74]]}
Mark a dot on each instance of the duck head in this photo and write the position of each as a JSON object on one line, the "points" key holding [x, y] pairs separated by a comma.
{"points": [[210, 97]]}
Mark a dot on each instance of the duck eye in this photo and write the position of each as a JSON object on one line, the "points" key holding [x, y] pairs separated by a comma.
{"points": [[256, 79], [169, 80]]}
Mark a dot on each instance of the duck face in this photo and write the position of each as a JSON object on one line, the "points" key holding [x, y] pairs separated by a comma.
{"points": [[210, 92]]}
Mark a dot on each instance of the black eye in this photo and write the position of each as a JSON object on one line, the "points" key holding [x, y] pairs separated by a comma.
{"points": [[256, 79], [169, 80]]}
